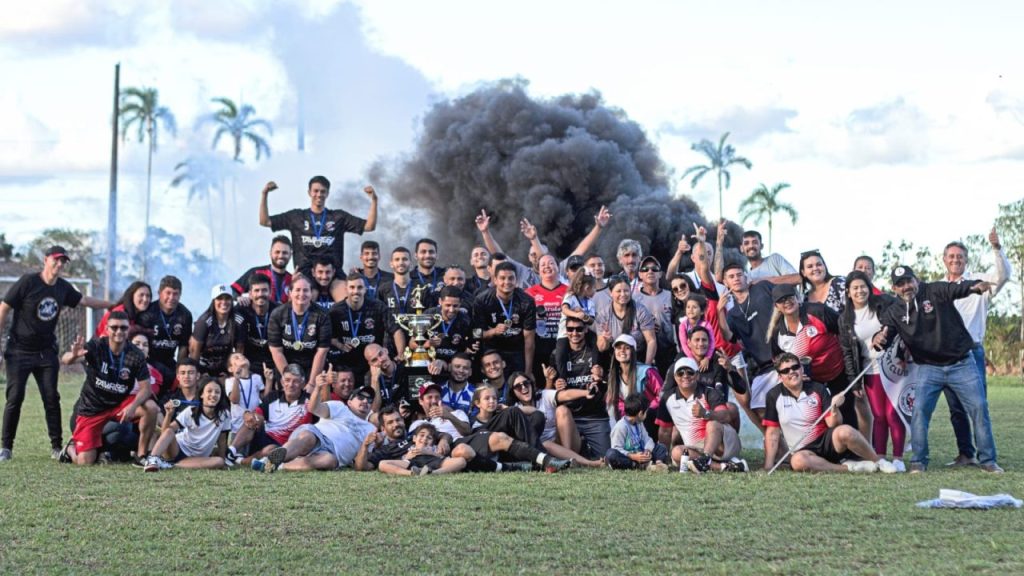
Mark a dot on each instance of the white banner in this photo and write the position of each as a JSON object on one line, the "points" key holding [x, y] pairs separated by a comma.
{"points": [[897, 382]]}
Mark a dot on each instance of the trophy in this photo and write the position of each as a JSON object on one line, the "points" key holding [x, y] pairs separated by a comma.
{"points": [[420, 328]]}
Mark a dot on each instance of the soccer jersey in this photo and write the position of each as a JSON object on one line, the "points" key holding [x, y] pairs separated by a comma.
{"points": [[391, 450], [519, 314], [315, 235], [345, 430], [217, 342], [299, 335], [796, 414], [36, 308], [283, 417], [373, 283], [199, 437], [170, 331], [576, 372], [257, 328], [749, 324], [364, 326], [433, 280], [693, 429], [815, 339], [455, 334], [461, 400], [548, 303], [399, 300], [109, 377], [280, 283]]}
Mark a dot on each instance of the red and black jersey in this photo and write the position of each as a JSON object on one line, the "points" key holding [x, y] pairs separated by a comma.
{"points": [[796, 414], [692, 428], [816, 339], [170, 331], [280, 283], [549, 308], [283, 417], [109, 377]]}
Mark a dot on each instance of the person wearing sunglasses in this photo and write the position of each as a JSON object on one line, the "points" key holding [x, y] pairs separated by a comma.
{"points": [[658, 302], [558, 435], [794, 412], [818, 284]]}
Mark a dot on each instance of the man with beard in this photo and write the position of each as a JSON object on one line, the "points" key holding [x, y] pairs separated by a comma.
{"points": [[324, 277], [773, 267], [373, 276], [629, 255], [397, 293], [456, 391], [386, 377], [931, 327], [389, 443], [455, 277], [356, 322], [319, 231], [508, 319], [171, 324], [426, 272], [257, 321], [300, 333], [450, 337], [582, 371], [276, 274]]}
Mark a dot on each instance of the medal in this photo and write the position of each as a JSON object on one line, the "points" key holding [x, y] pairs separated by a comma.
{"points": [[507, 312], [318, 227], [354, 325], [297, 346], [508, 322], [354, 342]]}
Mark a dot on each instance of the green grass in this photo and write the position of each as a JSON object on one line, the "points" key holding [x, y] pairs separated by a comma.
{"points": [[116, 519]]}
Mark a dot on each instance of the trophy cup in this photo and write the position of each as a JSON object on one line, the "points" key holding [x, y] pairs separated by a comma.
{"points": [[420, 328]]}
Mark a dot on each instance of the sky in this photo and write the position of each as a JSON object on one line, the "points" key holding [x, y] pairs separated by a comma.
{"points": [[888, 120]]}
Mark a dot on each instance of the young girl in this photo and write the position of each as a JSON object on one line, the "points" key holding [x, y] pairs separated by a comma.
{"points": [[578, 303], [198, 437], [695, 309], [245, 389], [422, 458]]}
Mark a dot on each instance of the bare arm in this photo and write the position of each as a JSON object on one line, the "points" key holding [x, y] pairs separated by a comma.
{"points": [[195, 349], [361, 463], [318, 366], [483, 224], [96, 303], [652, 346], [719, 253], [771, 446], [1003, 268], [315, 404], [235, 395], [529, 346], [530, 232], [371, 217], [76, 353], [681, 248], [264, 210], [277, 353], [600, 222]]}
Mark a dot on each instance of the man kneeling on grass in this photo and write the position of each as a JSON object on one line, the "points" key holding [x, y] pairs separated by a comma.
{"points": [[792, 410], [702, 416], [332, 442]]}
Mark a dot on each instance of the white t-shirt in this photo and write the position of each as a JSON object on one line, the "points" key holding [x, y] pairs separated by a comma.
{"points": [[200, 439], [547, 405], [248, 397], [866, 325], [588, 306], [771, 265], [442, 424], [345, 430]]}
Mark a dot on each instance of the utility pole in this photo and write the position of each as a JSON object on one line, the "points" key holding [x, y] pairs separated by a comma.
{"points": [[110, 272]]}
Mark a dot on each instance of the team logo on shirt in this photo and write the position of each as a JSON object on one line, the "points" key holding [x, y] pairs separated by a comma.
{"points": [[812, 331], [329, 226], [456, 338], [177, 329], [47, 309], [812, 400], [927, 306], [515, 318], [369, 323], [312, 330], [124, 374]]}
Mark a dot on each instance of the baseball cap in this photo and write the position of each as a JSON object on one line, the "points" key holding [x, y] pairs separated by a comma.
{"points": [[780, 291], [220, 290], [650, 260], [625, 339], [684, 362], [574, 261], [427, 387], [366, 392], [901, 273], [57, 251]]}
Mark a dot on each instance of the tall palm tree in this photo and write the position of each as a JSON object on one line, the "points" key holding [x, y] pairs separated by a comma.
{"points": [[764, 203], [720, 158], [204, 175], [140, 108], [240, 123]]}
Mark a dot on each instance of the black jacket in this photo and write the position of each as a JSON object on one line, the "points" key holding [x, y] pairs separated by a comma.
{"points": [[848, 340], [931, 326]]}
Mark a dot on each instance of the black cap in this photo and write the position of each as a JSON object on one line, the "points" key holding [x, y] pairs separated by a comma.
{"points": [[901, 273], [366, 392], [574, 261], [780, 291], [57, 251]]}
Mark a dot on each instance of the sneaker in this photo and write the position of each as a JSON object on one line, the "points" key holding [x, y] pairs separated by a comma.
{"points": [[231, 458], [260, 465], [140, 462], [105, 458], [424, 471], [658, 467], [55, 453], [516, 467], [700, 465], [276, 458], [992, 468], [415, 470], [962, 461], [552, 464], [900, 466], [886, 467], [156, 464], [917, 468], [65, 455], [865, 466], [736, 465]]}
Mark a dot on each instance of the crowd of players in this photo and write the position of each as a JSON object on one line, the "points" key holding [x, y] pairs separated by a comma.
{"points": [[532, 366]]}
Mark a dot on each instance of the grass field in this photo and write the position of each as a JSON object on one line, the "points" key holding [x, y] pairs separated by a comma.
{"points": [[116, 519]]}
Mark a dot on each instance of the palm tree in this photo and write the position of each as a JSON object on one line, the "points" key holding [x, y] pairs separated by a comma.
{"points": [[140, 107], [204, 176], [720, 158], [241, 125], [764, 203]]}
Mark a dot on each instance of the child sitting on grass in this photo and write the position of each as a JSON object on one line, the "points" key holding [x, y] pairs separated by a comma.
{"points": [[198, 436], [422, 458], [632, 447]]}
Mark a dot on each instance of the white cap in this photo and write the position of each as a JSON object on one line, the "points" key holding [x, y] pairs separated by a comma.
{"points": [[684, 362], [625, 339], [221, 290]]}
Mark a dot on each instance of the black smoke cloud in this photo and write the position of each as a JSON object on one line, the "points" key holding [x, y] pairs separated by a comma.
{"points": [[556, 162]]}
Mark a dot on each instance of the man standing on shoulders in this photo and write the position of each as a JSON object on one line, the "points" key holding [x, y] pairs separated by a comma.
{"points": [[974, 311], [319, 231], [276, 273], [35, 302], [927, 320]]}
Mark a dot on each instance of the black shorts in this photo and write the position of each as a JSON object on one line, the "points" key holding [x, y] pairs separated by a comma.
{"points": [[479, 441], [824, 447], [427, 461], [260, 440]]}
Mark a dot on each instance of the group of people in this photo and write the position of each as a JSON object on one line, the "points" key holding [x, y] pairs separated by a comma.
{"points": [[534, 365]]}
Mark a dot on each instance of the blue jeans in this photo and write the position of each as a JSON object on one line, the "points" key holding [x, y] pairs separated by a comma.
{"points": [[619, 461], [957, 415], [961, 379]]}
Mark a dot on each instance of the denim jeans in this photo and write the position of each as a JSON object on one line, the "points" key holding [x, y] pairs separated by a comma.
{"points": [[957, 415], [961, 379], [619, 461], [596, 436]]}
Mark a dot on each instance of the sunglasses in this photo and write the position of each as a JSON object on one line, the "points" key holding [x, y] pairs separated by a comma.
{"points": [[117, 327], [650, 269], [785, 299], [524, 385], [685, 372], [679, 288], [574, 328], [814, 252], [789, 369]]}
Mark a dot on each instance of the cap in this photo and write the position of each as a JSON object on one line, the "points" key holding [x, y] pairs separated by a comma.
{"points": [[574, 261], [780, 291], [220, 290], [366, 392], [625, 339], [427, 387], [57, 251], [684, 362], [650, 259], [901, 273]]}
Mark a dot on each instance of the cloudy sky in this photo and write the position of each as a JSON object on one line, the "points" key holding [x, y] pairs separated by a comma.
{"points": [[889, 120]]}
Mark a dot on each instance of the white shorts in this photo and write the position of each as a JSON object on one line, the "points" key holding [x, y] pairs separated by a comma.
{"points": [[759, 388]]}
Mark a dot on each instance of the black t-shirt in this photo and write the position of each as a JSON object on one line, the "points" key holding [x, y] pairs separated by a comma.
{"points": [[399, 299], [216, 342], [373, 284], [280, 283], [257, 329], [576, 372], [317, 235], [323, 299], [434, 280], [749, 324], [37, 307], [389, 451], [520, 313], [395, 387], [314, 329], [368, 324], [455, 335], [169, 332], [109, 377]]}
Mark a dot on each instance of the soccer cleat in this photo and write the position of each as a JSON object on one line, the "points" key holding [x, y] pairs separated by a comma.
{"points": [[552, 464], [65, 455], [860, 466], [276, 458], [5, 454], [700, 465], [260, 465], [900, 466], [917, 468], [886, 467], [992, 468], [736, 465]]}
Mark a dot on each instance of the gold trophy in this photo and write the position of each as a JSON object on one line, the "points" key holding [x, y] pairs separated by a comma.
{"points": [[420, 328]]}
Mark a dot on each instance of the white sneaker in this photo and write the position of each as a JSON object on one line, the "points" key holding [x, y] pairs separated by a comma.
{"points": [[156, 463], [684, 465], [899, 465], [860, 466], [5, 455], [886, 467]]}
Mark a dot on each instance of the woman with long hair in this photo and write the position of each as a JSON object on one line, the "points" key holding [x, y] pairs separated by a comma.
{"points": [[558, 434], [217, 333], [623, 315], [628, 376], [134, 300], [198, 436], [819, 285]]}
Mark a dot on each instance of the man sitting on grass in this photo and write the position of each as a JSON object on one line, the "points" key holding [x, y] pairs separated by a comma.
{"points": [[421, 457], [792, 410], [271, 424]]}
